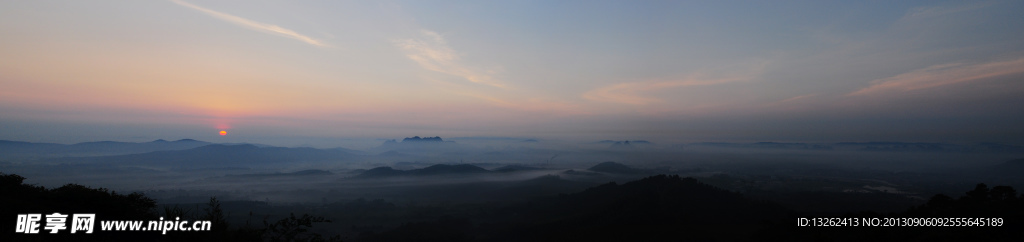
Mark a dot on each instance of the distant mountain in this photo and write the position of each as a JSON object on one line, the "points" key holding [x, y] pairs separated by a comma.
{"points": [[311, 172], [392, 153], [514, 168], [117, 147], [900, 146], [581, 173], [626, 144], [1009, 168], [439, 169], [254, 144], [614, 168], [877, 146], [1017, 164], [217, 155], [384, 171], [768, 145], [932, 147], [995, 147], [608, 141], [449, 169], [425, 139], [622, 145], [488, 138], [350, 151], [16, 149], [550, 181], [417, 144]]}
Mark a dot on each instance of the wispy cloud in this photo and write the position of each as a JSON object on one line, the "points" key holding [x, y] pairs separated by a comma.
{"points": [[511, 99], [936, 11], [432, 53], [638, 93], [941, 75], [794, 99], [262, 27], [535, 105]]}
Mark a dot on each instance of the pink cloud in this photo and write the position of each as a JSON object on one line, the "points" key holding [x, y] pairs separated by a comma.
{"points": [[942, 75], [638, 93]]}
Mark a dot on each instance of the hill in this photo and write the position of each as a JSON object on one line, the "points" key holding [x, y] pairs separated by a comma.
{"points": [[614, 168], [657, 208], [439, 169], [17, 149], [218, 155], [417, 144]]}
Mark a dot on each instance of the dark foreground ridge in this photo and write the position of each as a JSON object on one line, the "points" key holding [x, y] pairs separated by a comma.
{"points": [[19, 198], [656, 208], [651, 209], [671, 208]]}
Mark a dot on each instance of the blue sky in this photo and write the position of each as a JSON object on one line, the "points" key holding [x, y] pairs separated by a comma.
{"points": [[670, 71]]}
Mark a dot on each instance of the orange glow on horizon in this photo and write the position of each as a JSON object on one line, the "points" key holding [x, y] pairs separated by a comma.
{"points": [[222, 132]]}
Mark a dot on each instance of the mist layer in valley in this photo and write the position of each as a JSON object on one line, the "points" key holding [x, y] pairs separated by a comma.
{"points": [[427, 178]]}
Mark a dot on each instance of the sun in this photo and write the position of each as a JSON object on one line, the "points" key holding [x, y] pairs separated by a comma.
{"points": [[222, 132]]}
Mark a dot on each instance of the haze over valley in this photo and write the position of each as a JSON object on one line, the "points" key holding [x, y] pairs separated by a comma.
{"points": [[514, 120]]}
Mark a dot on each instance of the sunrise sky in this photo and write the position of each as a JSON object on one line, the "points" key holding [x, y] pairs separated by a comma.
{"points": [[305, 72]]}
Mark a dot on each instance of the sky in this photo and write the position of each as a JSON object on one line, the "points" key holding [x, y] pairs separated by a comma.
{"points": [[318, 72]]}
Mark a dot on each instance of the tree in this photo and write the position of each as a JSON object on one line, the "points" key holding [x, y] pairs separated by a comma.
{"points": [[215, 215]]}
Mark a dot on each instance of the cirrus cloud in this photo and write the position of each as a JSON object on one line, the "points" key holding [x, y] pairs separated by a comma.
{"points": [[636, 92], [262, 27], [942, 75], [431, 51]]}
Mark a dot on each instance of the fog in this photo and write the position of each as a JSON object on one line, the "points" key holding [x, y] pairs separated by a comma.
{"points": [[198, 169], [411, 179]]}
